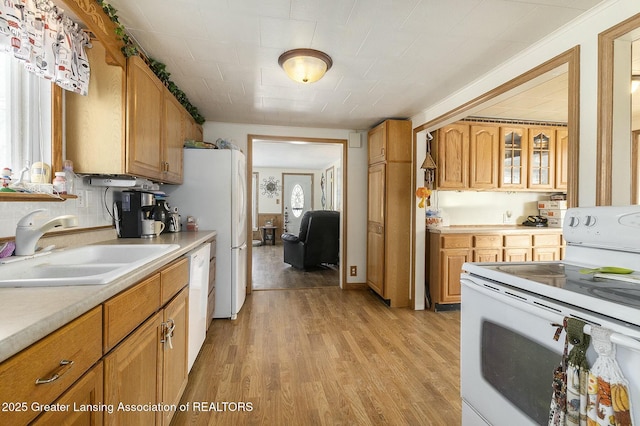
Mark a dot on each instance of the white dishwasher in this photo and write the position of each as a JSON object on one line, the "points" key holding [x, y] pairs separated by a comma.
{"points": [[198, 292]]}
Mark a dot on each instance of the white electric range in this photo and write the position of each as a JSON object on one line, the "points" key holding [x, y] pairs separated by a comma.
{"points": [[507, 350]]}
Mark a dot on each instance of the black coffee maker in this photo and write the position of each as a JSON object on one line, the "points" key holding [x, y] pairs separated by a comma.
{"points": [[160, 212], [130, 208]]}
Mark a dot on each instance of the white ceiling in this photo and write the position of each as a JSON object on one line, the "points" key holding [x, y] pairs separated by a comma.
{"points": [[392, 58]]}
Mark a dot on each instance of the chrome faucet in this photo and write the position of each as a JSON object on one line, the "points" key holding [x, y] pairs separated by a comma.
{"points": [[27, 234]]}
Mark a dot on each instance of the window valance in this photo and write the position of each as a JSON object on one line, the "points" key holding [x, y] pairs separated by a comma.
{"points": [[48, 42]]}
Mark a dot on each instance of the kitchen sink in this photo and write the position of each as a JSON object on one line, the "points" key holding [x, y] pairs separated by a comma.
{"points": [[87, 265]]}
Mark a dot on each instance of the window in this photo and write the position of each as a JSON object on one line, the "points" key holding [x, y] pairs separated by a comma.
{"points": [[25, 116], [297, 200]]}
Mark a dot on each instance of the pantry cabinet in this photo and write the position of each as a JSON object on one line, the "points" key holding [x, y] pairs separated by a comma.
{"points": [[447, 252], [389, 206]]}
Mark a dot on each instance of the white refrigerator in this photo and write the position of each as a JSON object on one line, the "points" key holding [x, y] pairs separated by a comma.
{"points": [[214, 191]]}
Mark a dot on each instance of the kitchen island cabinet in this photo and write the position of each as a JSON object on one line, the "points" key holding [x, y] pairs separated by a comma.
{"points": [[448, 248]]}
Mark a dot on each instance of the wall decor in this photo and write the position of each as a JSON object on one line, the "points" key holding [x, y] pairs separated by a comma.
{"points": [[270, 187]]}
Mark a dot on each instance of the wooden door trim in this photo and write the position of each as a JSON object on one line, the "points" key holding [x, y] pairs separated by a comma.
{"points": [[604, 143], [345, 198]]}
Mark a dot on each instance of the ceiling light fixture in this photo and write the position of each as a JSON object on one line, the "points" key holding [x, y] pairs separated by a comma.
{"points": [[305, 65]]}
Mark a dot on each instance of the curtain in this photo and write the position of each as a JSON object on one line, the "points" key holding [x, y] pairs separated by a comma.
{"points": [[47, 42]]}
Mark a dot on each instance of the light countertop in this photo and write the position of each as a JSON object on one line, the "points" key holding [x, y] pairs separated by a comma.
{"points": [[29, 314], [476, 229]]}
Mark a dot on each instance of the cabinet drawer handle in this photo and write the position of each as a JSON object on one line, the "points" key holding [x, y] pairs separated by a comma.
{"points": [[65, 365], [170, 325]]}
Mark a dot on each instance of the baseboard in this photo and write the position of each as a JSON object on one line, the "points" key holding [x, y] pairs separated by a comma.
{"points": [[355, 286]]}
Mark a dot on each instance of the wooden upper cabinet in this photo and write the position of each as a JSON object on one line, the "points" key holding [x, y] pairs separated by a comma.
{"points": [[145, 98], [542, 142], [513, 157], [377, 145], [484, 144], [95, 124], [479, 155], [383, 142], [174, 135], [562, 158], [453, 156]]}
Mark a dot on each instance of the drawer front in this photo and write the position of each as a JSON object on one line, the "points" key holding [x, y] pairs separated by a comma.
{"points": [[80, 341], [518, 240], [547, 240], [173, 278], [487, 241], [456, 241], [127, 310]]}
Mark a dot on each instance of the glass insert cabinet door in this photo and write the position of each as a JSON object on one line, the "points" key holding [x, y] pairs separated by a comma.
{"points": [[541, 153], [514, 154]]}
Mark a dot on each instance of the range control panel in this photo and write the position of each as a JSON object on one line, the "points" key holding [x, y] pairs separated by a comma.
{"points": [[616, 227]]}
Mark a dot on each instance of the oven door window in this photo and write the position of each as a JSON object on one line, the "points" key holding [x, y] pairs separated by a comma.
{"points": [[519, 368]]}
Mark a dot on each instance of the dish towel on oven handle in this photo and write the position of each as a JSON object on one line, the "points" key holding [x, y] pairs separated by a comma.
{"points": [[609, 402], [558, 407], [577, 373]]}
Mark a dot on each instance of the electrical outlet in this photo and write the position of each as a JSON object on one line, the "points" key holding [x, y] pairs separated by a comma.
{"points": [[82, 198], [353, 271]]}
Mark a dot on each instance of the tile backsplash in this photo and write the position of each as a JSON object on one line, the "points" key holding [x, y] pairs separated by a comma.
{"points": [[94, 214]]}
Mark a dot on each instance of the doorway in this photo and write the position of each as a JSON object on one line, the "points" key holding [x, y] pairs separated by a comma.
{"points": [[290, 156], [297, 199]]}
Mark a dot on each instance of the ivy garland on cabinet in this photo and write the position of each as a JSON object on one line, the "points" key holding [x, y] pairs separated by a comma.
{"points": [[159, 69]]}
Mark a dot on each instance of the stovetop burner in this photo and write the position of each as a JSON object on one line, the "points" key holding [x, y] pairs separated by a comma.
{"points": [[569, 278]]}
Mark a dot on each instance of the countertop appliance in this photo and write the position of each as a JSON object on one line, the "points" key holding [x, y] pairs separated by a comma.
{"points": [[508, 353], [214, 192], [130, 208], [198, 292]]}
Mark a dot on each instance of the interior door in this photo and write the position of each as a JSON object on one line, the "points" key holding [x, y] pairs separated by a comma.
{"points": [[297, 196]]}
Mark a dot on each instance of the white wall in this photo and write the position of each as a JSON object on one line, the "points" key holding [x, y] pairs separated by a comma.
{"points": [[94, 214], [356, 179], [274, 204], [582, 32]]}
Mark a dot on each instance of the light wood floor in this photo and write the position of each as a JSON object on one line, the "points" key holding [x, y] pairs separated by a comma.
{"points": [[326, 356], [269, 271]]}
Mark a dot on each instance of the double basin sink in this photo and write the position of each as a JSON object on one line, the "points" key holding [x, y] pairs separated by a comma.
{"points": [[87, 265]]}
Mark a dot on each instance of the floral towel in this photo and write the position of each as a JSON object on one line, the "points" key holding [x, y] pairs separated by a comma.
{"points": [[577, 373], [609, 403], [558, 407]]}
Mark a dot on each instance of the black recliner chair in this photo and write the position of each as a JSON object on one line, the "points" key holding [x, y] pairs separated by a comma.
{"points": [[318, 241]]}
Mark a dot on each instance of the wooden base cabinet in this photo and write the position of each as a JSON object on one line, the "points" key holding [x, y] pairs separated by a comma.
{"points": [[133, 375], [390, 202], [150, 366], [447, 252], [80, 398]]}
